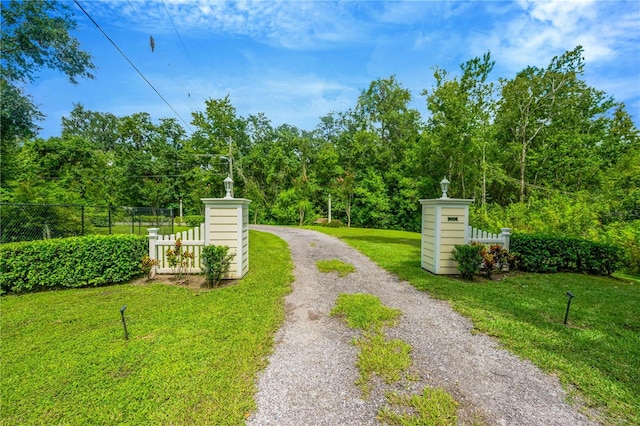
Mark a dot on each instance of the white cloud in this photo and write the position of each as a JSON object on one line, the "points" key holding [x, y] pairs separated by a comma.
{"points": [[290, 24], [543, 29]]}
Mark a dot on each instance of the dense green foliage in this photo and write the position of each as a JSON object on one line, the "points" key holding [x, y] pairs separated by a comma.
{"points": [[541, 150], [469, 259], [597, 357], [216, 261], [34, 34], [70, 262], [192, 357], [545, 253]]}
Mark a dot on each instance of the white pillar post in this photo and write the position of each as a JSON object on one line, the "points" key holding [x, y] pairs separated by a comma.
{"points": [[506, 233]]}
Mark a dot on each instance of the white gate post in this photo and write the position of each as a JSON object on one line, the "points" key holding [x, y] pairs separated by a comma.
{"points": [[153, 237], [506, 234], [445, 224]]}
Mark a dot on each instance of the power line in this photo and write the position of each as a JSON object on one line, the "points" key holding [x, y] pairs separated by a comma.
{"points": [[131, 63], [177, 32], [184, 47]]}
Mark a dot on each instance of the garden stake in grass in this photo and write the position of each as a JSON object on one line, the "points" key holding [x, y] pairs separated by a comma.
{"points": [[124, 322], [566, 314]]}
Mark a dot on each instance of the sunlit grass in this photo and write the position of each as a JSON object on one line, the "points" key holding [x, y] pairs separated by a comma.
{"points": [[434, 407], [192, 357], [335, 265], [390, 359], [387, 358], [597, 356], [364, 311]]}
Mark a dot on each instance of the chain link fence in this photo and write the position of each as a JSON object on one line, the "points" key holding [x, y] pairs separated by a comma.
{"points": [[28, 222]]}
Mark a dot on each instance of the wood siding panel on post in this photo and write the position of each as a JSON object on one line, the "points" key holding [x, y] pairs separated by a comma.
{"points": [[229, 226], [428, 238], [444, 223], [217, 228]]}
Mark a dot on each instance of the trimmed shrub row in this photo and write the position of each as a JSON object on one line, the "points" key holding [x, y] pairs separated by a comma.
{"points": [[70, 262], [548, 253]]}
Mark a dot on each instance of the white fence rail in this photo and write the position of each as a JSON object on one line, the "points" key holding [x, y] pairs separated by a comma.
{"points": [[484, 237], [191, 241]]}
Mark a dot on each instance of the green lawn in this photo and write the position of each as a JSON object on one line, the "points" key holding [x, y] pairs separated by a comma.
{"points": [[192, 357], [597, 357]]}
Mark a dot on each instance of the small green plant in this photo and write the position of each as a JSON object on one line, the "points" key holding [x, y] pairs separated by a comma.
{"points": [[469, 259], [335, 265], [433, 407], [147, 265], [178, 259], [216, 261], [494, 258]]}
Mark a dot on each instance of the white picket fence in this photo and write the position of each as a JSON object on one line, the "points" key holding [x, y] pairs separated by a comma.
{"points": [[191, 241], [483, 237]]}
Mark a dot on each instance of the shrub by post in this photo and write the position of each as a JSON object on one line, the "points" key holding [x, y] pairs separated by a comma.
{"points": [[147, 265], [494, 257], [193, 220], [469, 259], [215, 263], [178, 259]]}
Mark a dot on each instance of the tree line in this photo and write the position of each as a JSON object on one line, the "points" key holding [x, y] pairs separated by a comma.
{"points": [[544, 133], [541, 151]]}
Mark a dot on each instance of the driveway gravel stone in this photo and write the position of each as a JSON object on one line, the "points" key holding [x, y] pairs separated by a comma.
{"points": [[310, 379]]}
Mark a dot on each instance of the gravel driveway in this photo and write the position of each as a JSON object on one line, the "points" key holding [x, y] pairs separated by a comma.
{"points": [[311, 374]]}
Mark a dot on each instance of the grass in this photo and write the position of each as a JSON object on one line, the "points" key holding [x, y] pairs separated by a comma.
{"points": [[364, 312], [434, 407], [378, 355], [335, 265], [390, 359], [192, 358], [597, 356]]}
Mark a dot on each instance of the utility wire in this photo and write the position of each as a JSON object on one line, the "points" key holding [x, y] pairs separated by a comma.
{"points": [[131, 63], [178, 33], [184, 47]]}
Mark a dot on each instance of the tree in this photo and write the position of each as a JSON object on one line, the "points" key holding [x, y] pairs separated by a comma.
{"points": [[537, 113], [35, 35], [101, 129], [462, 110]]}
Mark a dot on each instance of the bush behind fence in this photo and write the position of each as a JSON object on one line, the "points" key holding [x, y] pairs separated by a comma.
{"points": [[30, 222]]}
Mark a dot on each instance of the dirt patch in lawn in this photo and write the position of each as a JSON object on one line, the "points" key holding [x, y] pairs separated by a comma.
{"points": [[192, 282]]}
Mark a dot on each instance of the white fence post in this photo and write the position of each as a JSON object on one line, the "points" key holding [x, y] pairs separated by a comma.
{"points": [[506, 235], [153, 237]]}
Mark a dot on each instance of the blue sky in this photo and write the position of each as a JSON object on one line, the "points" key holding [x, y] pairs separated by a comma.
{"points": [[296, 61]]}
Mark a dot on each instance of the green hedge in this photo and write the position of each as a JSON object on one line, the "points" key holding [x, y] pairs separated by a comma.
{"points": [[70, 262], [548, 253], [194, 220]]}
